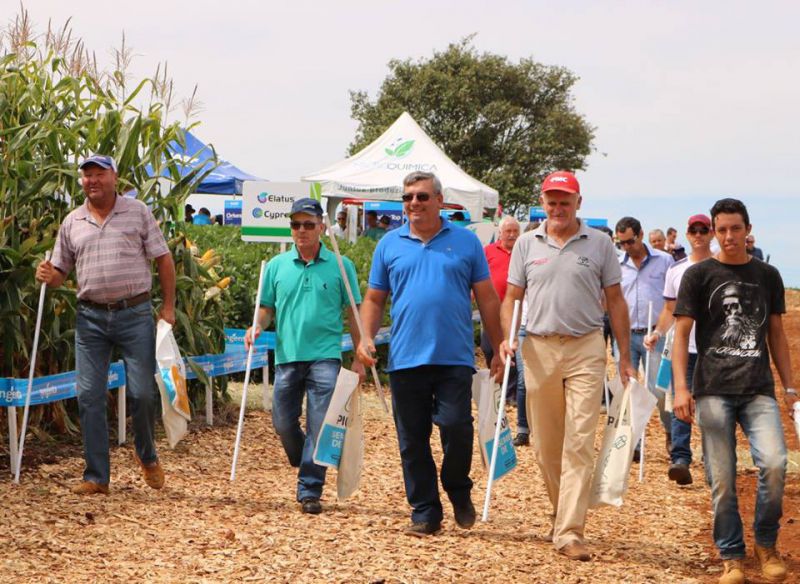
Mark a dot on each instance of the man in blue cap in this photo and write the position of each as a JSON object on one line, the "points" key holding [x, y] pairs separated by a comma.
{"points": [[111, 242], [304, 294]]}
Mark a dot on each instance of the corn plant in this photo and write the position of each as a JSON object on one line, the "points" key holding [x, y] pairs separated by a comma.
{"points": [[56, 107]]}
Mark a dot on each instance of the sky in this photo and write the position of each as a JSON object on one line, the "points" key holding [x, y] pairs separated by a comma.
{"points": [[691, 101]]}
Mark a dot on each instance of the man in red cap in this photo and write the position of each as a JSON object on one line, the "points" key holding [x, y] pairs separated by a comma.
{"points": [[565, 266], [699, 235]]}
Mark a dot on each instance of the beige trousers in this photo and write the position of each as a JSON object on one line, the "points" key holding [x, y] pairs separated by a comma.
{"points": [[564, 381]]}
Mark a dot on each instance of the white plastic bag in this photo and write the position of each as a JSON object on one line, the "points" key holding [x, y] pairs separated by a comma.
{"points": [[352, 461], [330, 442], [664, 377], [796, 417], [171, 381], [610, 481], [486, 395]]}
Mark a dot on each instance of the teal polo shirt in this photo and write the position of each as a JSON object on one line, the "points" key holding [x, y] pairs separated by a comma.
{"points": [[308, 299]]}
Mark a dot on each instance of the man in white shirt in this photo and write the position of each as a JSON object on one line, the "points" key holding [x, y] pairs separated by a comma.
{"points": [[699, 235]]}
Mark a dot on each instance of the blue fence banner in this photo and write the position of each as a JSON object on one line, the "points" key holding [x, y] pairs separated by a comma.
{"points": [[52, 388]]}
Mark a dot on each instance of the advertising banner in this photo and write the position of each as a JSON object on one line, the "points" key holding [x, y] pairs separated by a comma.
{"points": [[233, 212], [266, 206]]}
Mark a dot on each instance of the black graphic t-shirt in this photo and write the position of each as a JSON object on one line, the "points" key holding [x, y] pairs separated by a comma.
{"points": [[731, 306]]}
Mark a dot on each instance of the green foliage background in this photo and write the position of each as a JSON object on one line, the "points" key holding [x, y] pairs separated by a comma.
{"points": [[507, 124]]}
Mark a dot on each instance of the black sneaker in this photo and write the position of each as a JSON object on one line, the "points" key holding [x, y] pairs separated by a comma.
{"points": [[680, 473], [521, 440], [465, 515], [311, 505], [423, 528], [637, 456]]}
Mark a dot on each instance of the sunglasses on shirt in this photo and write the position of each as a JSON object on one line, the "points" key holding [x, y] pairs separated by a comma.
{"points": [[307, 225], [421, 197], [699, 230]]}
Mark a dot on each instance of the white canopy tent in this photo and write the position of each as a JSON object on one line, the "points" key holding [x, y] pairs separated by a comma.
{"points": [[377, 171]]}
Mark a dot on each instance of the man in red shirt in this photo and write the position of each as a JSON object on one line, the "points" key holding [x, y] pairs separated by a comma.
{"points": [[498, 254]]}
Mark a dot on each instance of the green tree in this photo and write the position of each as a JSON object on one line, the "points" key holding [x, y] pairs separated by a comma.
{"points": [[506, 124]]}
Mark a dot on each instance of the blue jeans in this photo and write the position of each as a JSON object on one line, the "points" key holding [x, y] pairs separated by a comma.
{"points": [[316, 380], [760, 419], [522, 414], [97, 333], [422, 396], [638, 355], [682, 431]]}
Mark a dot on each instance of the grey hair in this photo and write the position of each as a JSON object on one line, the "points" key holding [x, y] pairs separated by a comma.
{"points": [[419, 175], [656, 232], [507, 219]]}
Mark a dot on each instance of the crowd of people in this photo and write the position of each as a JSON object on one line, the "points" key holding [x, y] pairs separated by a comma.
{"points": [[726, 309]]}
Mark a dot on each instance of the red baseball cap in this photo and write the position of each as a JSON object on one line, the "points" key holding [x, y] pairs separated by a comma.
{"points": [[563, 181], [700, 218]]}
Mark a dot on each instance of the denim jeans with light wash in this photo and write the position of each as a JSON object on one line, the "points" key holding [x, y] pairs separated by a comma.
{"points": [[97, 333], [638, 355], [522, 415], [422, 396], [760, 419], [682, 431], [316, 381]]}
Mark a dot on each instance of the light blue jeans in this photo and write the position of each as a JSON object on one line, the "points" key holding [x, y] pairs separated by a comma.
{"points": [[97, 333], [760, 419], [316, 380]]}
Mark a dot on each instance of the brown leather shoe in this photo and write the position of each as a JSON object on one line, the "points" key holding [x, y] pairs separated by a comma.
{"points": [[773, 568], [733, 572], [575, 550], [153, 473], [89, 488]]}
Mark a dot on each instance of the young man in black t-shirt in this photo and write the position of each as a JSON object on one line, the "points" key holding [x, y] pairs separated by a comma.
{"points": [[736, 303]]}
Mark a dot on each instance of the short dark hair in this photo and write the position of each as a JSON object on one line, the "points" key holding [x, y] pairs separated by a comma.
{"points": [[629, 222], [605, 229], [729, 206], [372, 214], [671, 230], [457, 216]]}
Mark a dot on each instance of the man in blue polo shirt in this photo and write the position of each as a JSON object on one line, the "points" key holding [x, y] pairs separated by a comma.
{"points": [[430, 267], [304, 292]]}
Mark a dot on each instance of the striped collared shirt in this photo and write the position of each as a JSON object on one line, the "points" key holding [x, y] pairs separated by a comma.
{"points": [[112, 260]]}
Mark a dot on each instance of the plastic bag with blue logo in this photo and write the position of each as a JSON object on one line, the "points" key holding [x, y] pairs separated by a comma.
{"points": [[171, 381], [331, 438], [611, 472], [486, 395]]}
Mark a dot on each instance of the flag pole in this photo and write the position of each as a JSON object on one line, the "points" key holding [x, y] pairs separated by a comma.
{"points": [[248, 365], [31, 372], [646, 383], [501, 410], [353, 306]]}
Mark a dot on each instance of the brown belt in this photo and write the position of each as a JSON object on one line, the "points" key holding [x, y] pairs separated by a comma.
{"points": [[119, 304]]}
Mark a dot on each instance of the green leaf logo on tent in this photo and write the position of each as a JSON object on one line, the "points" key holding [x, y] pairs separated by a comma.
{"points": [[404, 149], [315, 191], [399, 148]]}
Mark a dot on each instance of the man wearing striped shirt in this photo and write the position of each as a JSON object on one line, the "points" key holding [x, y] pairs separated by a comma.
{"points": [[111, 242]]}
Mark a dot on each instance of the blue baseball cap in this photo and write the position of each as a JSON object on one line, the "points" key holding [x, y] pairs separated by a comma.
{"points": [[306, 205], [100, 160]]}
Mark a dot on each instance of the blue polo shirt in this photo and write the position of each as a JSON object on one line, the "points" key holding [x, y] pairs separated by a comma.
{"points": [[430, 284]]}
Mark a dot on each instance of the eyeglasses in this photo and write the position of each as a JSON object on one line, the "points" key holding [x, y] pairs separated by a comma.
{"points": [[421, 197], [626, 242], [699, 230], [307, 225]]}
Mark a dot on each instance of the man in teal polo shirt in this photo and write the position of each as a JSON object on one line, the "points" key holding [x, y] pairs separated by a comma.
{"points": [[305, 294], [430, 267]]}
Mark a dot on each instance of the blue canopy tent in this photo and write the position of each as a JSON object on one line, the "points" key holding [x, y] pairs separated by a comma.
{"points": [[225, 179]]}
